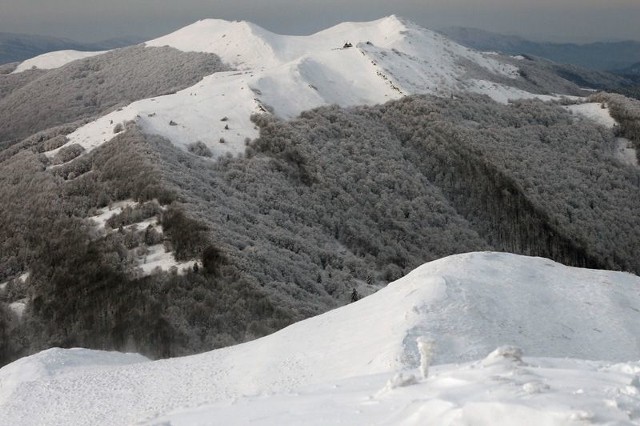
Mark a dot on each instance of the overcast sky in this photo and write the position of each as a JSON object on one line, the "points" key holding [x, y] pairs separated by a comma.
{"points": [[553, 20]]}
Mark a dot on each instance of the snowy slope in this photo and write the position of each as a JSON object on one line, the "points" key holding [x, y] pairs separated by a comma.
{"points": [[468, 304], [286, 75], [594, 111], [599, 113], [495, 391], [152, 257], [246, 45], [53, 60]]}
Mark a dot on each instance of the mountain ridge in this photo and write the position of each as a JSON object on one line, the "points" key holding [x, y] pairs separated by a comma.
{"points": [[542, 307]]}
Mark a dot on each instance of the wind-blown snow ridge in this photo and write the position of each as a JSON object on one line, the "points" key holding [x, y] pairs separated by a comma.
{"points": [[286, 75], [468, 304], [497, 391]]}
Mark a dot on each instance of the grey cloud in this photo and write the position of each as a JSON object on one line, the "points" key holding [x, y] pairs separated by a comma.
{"points": [[91, 20]]}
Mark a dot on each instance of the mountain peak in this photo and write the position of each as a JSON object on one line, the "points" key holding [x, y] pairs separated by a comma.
{"points": [[352, 63], [245, 45], [238, 43]]}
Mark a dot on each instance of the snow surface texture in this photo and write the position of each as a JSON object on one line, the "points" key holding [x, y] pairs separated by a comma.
{"points": [[286, 75], [54, 60], [344, 365], [495, 391]]}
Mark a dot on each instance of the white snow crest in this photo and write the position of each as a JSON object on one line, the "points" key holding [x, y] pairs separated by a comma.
{"points": [[542, 391], [54, 60], [58, 362], [360, 364]]}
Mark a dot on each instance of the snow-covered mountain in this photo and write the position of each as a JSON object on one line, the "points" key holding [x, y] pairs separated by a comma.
{"points": [[359, 364], [350, 64], [167, 253]]}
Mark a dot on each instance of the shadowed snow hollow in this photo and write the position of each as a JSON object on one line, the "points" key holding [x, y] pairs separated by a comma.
{"points": [[467, 304]]}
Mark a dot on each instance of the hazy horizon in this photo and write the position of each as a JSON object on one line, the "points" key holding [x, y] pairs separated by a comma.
{"points": [[579, 21]]}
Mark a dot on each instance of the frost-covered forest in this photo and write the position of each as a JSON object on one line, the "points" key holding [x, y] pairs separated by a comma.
{"points": [[627, 113], [36, 100], [335, 200]]}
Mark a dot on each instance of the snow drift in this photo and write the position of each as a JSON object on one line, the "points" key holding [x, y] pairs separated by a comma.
{"points": [[467, 304]]}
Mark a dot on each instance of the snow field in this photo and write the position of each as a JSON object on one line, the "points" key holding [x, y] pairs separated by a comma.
{"points": [[54, 362], [503, 391], [335, 367], [191, 115]]}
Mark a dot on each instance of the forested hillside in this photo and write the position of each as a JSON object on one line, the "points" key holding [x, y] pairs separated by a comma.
{"points": [[335, 200], [36, 100]]}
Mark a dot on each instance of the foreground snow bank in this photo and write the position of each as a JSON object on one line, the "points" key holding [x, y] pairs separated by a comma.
{"points": [[499, 390], [467, 304]]}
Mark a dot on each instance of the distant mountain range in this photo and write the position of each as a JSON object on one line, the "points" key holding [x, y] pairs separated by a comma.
{"points": [[18, 47], [602, 56], [457, 310], [632, 71]]}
